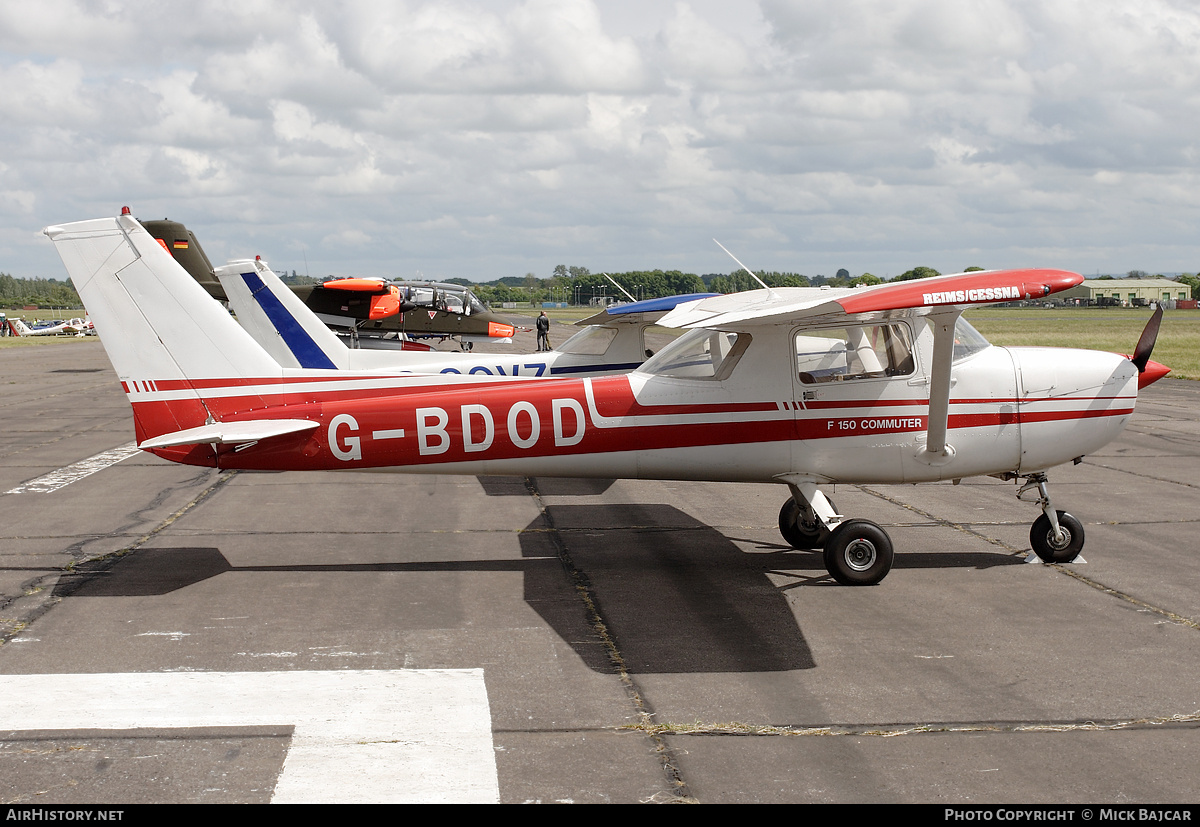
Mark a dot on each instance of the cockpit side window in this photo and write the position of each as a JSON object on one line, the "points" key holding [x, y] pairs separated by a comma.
{"points": [[700, 354], [840, 354]]}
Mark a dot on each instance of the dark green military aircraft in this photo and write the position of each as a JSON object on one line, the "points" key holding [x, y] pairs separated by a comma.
{"points": [[371, 308]]}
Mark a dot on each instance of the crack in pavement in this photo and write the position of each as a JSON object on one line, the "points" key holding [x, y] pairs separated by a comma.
{"points": [[678, 789]]}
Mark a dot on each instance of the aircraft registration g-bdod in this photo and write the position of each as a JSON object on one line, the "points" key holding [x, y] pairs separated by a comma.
{"points": [[805, 387]]}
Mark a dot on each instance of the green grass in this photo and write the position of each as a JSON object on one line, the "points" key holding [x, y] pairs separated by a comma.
{"points": [[1114, 329], [7, 342], [43, 315]]}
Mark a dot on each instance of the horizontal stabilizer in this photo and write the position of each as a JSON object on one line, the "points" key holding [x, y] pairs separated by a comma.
{"points": [[230, 433]]}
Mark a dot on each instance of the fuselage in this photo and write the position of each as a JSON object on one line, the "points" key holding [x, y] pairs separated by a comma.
{"points": [[757, 419]]}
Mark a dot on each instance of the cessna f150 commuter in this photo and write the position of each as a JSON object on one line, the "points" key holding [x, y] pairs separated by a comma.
{"points": [[804, 387]]}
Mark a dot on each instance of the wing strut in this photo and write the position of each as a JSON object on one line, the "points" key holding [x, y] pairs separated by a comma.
{"points": [[936, 448]]}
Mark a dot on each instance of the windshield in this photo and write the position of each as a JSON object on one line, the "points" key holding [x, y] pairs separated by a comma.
{"points": [[474, 305], [967, 340], [700, 354], [591, 341]]}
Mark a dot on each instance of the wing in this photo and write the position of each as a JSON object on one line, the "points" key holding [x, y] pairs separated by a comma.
{"points": [[794, 304]]}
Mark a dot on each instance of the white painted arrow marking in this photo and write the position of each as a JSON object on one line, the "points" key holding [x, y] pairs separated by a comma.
{"points": [[403, 736]]}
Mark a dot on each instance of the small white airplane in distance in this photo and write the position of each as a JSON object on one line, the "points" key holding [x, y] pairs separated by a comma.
{"points": [[74, 327], [612, 341], [804, 387]]}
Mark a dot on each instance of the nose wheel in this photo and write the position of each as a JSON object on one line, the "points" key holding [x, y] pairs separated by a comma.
{"points": [[1056, 536], [1061, 547]]}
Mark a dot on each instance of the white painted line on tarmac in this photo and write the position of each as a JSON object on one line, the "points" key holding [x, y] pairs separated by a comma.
{"points": [[401, 736], [75, 471]]}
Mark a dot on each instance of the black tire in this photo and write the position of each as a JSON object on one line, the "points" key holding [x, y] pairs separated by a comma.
{"points": [[1041, 538], [858, 553], [801, 533]]}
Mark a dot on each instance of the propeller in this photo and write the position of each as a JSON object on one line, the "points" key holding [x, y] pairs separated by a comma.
{"points": [[1149, 371], [1145, 345]]}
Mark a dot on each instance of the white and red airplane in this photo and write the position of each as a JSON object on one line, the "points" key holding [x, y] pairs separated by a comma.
{"points": [[74, 327], [804, 387], [612, 341]]}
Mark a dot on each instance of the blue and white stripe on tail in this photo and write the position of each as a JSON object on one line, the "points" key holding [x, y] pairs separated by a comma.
{"points": [[277, 318]]}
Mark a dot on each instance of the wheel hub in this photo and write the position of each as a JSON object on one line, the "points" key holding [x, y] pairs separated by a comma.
{"points": [[860, 554], [1056, 543], [808, 521]]}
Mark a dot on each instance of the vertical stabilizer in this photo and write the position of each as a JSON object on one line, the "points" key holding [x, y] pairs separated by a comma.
{"points": [[161, 323], [163, 333], [276, 317]]}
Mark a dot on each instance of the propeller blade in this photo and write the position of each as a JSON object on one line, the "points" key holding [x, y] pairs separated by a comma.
{"points": [[1145, 345]]}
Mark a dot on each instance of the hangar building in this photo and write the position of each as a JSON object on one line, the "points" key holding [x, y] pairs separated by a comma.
{"points": [[1127, 291]]}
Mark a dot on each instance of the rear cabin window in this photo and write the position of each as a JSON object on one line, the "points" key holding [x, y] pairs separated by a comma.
{"points": [[842, 354]]}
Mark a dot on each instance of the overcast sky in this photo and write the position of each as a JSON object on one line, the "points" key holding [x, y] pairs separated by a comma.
{"points": [[489, 138]]}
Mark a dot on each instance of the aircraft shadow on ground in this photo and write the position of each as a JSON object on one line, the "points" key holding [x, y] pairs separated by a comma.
{"points": [[674, 594], [143, 573], [978, 560], [546, 486]]}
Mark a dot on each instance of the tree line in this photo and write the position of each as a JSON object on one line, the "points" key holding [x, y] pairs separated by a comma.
{"points": [[578, 285], [570, 284], [45, 293]]}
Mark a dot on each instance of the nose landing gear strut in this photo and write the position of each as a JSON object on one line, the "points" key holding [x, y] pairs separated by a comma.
{"points": [[1056, 536]]}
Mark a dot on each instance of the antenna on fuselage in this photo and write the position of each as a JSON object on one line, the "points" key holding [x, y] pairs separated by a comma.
{"points": [[753, 275]]}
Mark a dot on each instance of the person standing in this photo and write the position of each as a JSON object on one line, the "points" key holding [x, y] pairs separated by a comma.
{"points": [[543, 332]]}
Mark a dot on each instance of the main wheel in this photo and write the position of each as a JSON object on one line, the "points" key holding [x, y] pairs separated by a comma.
{"points": [[858, 553], [1041, 537], [800, 526]]}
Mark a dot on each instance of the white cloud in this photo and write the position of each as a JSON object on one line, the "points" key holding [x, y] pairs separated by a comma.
{"points": [[493, 137]]}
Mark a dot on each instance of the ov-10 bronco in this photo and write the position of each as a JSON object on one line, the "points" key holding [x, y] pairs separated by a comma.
{"points": [[371, 310], [804, 387]]}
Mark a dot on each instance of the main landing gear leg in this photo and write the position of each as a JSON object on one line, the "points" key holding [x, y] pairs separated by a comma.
{"points": [[1056, 536], [807, 517], [856, 552]]}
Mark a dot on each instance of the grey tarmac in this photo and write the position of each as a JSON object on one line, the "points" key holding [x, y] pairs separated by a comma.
{"points": [[639, 641]]}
